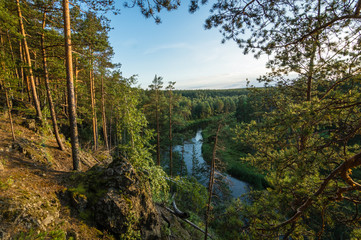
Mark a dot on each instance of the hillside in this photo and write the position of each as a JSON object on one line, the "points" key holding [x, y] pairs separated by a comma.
{"points": [[33, 170], [41, 198]]}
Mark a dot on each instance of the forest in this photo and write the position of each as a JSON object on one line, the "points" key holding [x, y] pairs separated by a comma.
{"points": [[295, 142]]}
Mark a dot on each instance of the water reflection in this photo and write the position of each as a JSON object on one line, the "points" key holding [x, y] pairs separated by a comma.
{"points": [[194, 148]]}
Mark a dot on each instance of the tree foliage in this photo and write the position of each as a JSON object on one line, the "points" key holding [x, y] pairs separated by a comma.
{"points": [[306, 135]]}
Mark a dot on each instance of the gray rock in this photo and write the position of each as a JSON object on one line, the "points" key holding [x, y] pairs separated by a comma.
{"points": [[127, 201]]}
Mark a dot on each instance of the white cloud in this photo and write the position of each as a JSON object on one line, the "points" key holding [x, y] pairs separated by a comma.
{"points": [[167, 47], [220, 81]]}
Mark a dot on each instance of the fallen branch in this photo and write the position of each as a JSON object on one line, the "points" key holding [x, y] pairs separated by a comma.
{"points": [[189, 222], [179, 213]]}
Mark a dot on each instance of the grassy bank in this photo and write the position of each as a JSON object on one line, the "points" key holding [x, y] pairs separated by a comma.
{"points": [[230, 151]]}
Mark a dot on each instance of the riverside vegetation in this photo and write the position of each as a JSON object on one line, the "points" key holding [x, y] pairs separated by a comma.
{"points": [[85, 154]]}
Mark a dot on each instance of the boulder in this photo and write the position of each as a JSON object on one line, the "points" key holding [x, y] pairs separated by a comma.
{"points": [[127, 203], [119, 201]]}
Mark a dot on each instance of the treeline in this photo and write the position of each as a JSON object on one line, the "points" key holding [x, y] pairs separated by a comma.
{"points": [[204, 93], [201, 104]]}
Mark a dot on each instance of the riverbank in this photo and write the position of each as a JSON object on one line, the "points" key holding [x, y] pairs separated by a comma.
{"points": [[194, 161], [230, 152]]}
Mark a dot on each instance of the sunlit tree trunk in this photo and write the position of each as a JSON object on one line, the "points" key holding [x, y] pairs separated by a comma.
{"points": [[28, 62], [76, 72], [24, 76], [92, 98], [104, 120], [21, 72], [46, 80], [70, 87]]}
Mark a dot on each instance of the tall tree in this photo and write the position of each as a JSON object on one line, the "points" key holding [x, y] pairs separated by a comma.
{"points": [[4, 74], [104, 119], [170, 89], [211, 182], [92, 100], [70, 87], [155, 87], [46, 80], [304, 147], [28, 63]]}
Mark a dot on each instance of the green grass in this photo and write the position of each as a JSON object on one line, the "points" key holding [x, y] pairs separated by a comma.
{"points": [[230, 151], [32, 235]]}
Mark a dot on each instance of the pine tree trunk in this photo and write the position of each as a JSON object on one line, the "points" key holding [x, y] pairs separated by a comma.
{"points": [[310, 72], [76, 80], [21, 72], [182, 160], [211, 182], [105, 135], [170, 136], [92, 97], [8, 104], [70, 87], [13, 57], [9, 112], [158, 133], [46, 80], [110, 129], [28, 62], [25, 77]]}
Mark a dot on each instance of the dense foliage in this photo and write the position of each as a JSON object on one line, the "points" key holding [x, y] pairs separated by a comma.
{"points": [[306, 133]]}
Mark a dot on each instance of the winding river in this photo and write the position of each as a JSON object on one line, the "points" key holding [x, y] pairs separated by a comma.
{"points": [[236, 186]]}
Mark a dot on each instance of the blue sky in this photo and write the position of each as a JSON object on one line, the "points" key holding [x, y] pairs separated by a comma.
{"points": [[181, 50]]}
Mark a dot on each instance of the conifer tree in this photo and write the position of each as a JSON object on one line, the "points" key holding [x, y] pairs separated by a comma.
{"points": [[70, 87], [301, 142], [46, 80], [155, 87], [28, 63], [170, 88]]}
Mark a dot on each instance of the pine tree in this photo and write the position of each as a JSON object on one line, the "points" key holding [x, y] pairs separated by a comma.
{"points": [[155, 87], [301, 141], [170, 88], [70, 87]]}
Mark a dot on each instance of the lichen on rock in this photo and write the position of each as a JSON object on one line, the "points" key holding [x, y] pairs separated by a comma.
{"points": [[119, 199]]}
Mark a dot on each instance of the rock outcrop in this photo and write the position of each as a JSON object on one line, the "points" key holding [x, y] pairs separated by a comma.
{"points": [[118, 200]]}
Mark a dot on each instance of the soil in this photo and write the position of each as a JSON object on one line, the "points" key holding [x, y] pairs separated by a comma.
{"points": [[32, 171]]}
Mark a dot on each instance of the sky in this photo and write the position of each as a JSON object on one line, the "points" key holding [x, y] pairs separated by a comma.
{"points": [[181, 50]]}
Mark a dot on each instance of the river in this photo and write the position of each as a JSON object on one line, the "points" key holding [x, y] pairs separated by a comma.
{"points": [[236, 186]]}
